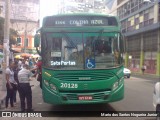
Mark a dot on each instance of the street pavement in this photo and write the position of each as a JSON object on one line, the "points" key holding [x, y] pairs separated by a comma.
{"points": [[150, 78], [138, 97], [2, 93]]}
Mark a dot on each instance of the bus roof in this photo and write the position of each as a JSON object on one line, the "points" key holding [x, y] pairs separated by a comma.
{"points": [[82, 14], [85, 19]]}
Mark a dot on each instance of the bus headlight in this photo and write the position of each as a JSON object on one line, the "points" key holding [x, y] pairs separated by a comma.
{"points": [[53, 87], [46, 82], [121, 80], [115, 85]]}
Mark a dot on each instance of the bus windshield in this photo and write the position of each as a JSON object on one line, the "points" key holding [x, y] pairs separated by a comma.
{"points": [[75, 51]]}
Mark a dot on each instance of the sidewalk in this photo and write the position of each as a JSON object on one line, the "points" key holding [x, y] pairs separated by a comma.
{"points": [[147, 76], [2, 93]]}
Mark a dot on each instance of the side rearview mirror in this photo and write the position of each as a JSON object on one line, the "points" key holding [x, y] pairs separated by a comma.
{"points": [[37, 40]]}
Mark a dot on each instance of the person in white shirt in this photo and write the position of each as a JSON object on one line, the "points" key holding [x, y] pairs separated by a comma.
{"points": [[26, 62], [24, 88], [19, 64], [11, 84]]}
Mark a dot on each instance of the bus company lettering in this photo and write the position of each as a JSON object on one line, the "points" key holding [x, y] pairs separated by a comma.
{"points": [[83, 22], [78, 22], [97, 22], [65, 63], [60, 22]]}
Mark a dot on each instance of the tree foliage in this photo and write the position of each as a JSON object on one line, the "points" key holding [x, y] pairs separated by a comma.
{"points": [[13, 33]]}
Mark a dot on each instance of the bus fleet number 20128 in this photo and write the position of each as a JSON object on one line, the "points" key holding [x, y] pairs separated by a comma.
{"points": [[69, 85]]}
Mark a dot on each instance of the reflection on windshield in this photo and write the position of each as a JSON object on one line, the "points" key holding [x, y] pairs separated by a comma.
{"points": [[72, 51], [104, 51]]}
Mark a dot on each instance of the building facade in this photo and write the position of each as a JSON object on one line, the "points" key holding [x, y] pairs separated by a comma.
{"points": [[24, 18], [140, 23], [78, 6]]}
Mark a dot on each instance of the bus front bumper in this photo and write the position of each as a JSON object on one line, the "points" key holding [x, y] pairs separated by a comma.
{"points": [[73, 98]]}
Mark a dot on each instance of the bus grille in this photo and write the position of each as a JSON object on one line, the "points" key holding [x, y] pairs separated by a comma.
{"points": [[84, 76]]}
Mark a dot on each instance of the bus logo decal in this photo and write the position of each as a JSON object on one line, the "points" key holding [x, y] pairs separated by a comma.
{"points": [[85, 78]]}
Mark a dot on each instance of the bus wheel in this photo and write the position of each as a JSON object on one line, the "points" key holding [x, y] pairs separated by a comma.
{"points": [[158, 112], [128, 76]]}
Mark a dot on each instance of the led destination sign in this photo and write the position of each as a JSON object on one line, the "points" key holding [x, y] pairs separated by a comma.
{"points": [[80, 21], [63, 63]]}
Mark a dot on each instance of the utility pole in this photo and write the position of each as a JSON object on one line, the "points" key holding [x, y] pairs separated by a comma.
{"points": [[25, 35], [6, 42]]}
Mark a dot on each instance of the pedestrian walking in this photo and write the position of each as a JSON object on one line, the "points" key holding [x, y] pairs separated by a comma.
{"points": [[38, 67], [19, 64], [24, 88], [143, 69], [30, 63], [26, 62], [10, 85], [16, 69]]}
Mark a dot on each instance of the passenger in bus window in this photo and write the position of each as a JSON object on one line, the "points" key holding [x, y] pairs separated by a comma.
{"points": [[103, 47]]}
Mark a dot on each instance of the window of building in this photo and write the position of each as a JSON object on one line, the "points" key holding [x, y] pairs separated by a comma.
{"points": [[137, 21], [151, 13], [128, 5], [146, 16], [119, 1], [19, 41], [132, 3], [136, 2], [151, 21], [150, 41], [141, 13], [136, 8], [121, 10], [134, 43], [149, 16], [129, 27], [132, 10], [141, 25], [146, 23], [140, 3]]}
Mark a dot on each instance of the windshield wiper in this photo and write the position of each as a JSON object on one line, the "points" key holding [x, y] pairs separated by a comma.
{"points": [[94, 41], [69, 39], [100, 34]]}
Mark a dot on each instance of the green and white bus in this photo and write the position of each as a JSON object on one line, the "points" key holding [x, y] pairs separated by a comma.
{"points": [[82, 56]]}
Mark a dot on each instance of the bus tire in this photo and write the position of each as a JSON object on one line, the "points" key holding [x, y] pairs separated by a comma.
{"points": [[158, 111], [128, 76]]}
